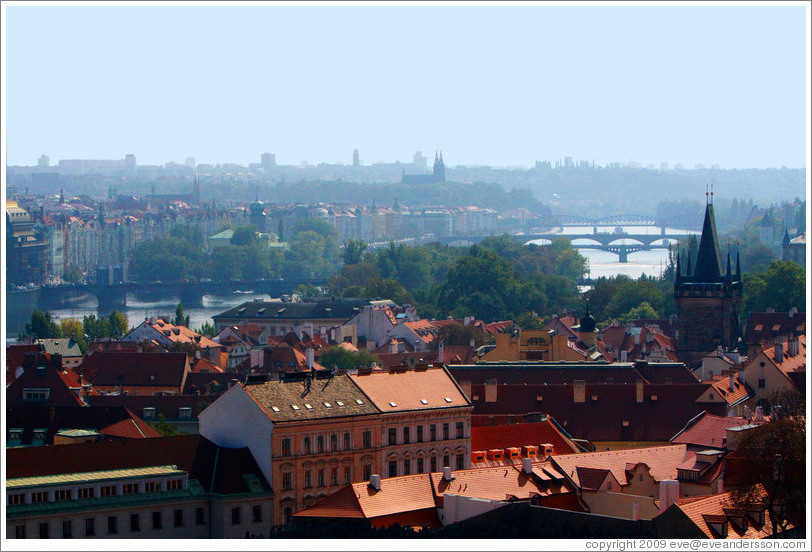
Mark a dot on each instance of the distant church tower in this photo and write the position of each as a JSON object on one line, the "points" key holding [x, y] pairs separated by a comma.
{"points": [[707, 298], [439, 168]]}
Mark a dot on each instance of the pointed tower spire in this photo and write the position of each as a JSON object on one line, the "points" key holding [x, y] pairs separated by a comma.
{"points": [[690, 270], [729, 274], [708, 258], [679, 268], [786, 237], [738, 265], [441, 156]]}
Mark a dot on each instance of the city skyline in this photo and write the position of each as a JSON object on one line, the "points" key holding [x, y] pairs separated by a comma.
{"points": [[498, 86]]}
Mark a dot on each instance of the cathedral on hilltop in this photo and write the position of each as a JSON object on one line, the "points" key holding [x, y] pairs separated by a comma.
{"points": [[437, 175], [708, 297]]}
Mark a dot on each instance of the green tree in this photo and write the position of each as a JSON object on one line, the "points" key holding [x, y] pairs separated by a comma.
{"points": [[781, 286], [343, 359], [387, 288], [642, 311], [180, 319], [96, 328], [190, 233], [167, 259], [42, 325], [162, 426], [308, 291], [207, 329], [529, 321], [353, 251], [244, 235], [72, 275], [73, 329], [317, 225], [310, 255], [459, 334], [118, 324]]}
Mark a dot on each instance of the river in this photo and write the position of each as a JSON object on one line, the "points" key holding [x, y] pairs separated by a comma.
{"points": [[601, 263]]}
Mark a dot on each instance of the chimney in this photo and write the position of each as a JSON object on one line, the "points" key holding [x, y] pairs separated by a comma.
{"points": [[731, 381], [579, 391], [447, 476], [466, 321], [310, 355], [669, 493], [375, 482], [624, 356], [793, 311], [527, 465], [640, 390], [779, 352], [441, 353], [297, 329], [393, 346], [490, 391]]}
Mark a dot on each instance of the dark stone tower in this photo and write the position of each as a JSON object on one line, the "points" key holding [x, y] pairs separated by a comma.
{"points": [[439, 168], [707, 298]]}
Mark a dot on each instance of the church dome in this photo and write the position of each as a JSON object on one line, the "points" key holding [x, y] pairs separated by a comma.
{"points": [[588, 322]]}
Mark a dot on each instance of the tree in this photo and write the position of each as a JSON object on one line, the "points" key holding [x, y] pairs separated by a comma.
{"points": [[96, 328], [308, 291], [768, 469], [317, 225], [162, 426], [353, 251], [73, 329], [207, 329], [72, 274], [782, 286], [180, 319], [643, 311], [42, 325], [343, 359], [387, 288], [529, 321], [244, 235], [118, 324], [458, 334]]}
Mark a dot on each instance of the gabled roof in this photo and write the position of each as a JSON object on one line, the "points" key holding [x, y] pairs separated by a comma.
{"points": [[422, 388], [789, 364], [53, 420], [327, 308], [708, 431], [592, 478], [15, 355], [202, 365], [661, 461], [135, 369], [332, 397], [131, 428], [708, 267], [66, 347], [42, 372], [706, 511], [767, 326], [738, 394]]}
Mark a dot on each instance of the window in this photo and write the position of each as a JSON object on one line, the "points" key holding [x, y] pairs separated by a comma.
{"points": [[90, 527], [406, 435], [108, 490], [367, 438], [460, 430], [393, 468], [236, 515], [308, 479], [152, 486], [347, 474], [129, 488], [135, 523], [200, 516], [393, 436], [433, 432], [420, 466], [184, 412], [433, 463], [178, 515], [36, 394], [18, 498], [306, 444], [87, 492], [287, 513], [322, 477], [333, 476], [173, 484], [320, 443], [157, 522], [347, 441], [62, 494], [256, 513], [407, 466], [460, 461], [67, 529], [44, 530], [446, 461], [420, 434], [39, 497], [112, 525], [19, 531], [149, 413], [445, 431], [762, 383], [286, 448], [287, 484], [334, 442], [640, 477], [367, 472]]}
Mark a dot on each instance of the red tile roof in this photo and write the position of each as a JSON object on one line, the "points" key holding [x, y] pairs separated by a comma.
{"points": [[707, 431], [592, 478], [415, 389], [517, 435], [789, 364], [739, 393], [135, 369], [132, 428], [720, 509]]}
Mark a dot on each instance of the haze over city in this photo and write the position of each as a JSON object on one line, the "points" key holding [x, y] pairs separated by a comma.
{"points": [[500, 86]]}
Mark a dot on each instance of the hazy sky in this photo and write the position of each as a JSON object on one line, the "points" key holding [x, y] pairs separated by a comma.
{"points": [[487, 85]]}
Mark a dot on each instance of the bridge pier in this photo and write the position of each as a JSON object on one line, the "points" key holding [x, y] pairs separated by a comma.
{"points": [[110, 298], [623, 255]]}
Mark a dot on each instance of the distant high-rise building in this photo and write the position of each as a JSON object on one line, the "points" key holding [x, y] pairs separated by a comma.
{"points": [[356, 159], [268, 161], [43, 162], [129, 161], [437, 174], [419, 161]]}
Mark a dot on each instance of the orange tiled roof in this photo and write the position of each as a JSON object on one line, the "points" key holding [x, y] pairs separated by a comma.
{"points": [[739, 393], [423, 328], [418, 389], [662, 462], [707, 430], [182, 334], [130, 429], [516, 435], [205, 365], [497, 483], [789, 364], [720, 508]]}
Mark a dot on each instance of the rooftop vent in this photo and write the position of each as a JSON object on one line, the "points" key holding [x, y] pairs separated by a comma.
{"points": [[447, 475], [392, 404], [275, 408], [375, 482], [424, 401]]}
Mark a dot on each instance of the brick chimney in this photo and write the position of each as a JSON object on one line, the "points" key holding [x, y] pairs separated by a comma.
{"points": [[779, 351]]}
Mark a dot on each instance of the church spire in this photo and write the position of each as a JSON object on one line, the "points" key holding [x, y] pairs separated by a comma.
{"points": [[738, 265], [708, 258]]}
